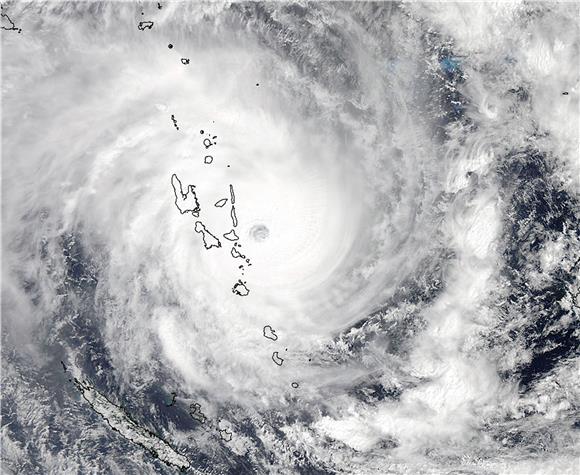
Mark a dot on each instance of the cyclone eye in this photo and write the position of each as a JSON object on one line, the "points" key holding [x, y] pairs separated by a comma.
{"points": [[259, 232]]}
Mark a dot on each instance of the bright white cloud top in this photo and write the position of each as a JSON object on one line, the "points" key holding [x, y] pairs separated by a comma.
{"points": [[389, 190]]}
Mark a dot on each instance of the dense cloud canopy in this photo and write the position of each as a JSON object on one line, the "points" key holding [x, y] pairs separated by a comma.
{"points": [[401, 294]]}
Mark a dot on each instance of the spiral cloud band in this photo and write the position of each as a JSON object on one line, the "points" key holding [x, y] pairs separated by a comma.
{"points": [[290, 237]]}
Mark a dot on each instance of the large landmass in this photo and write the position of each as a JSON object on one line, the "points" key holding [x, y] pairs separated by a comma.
{"points": [[185, 202], [209, 240], [120, 421]]}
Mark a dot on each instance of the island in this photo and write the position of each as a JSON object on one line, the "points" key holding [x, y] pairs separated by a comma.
{"points": [[195, 413], [234, 217], [172, 402], [174, 120], [121, 422], [185, 202], [276, 358], [270, 333], [240, 289], [209, 240], [225, 434], [231, 236], [145, 25], [235, 253]]}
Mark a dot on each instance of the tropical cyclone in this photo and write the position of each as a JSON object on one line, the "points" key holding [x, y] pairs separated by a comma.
{"points": [[405, 182]]}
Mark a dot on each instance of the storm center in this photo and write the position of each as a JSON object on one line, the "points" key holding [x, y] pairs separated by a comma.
{"points": [[259, 232]]}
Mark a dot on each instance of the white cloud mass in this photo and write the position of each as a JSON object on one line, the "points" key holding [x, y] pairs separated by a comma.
{"points": [[414, 170]]}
